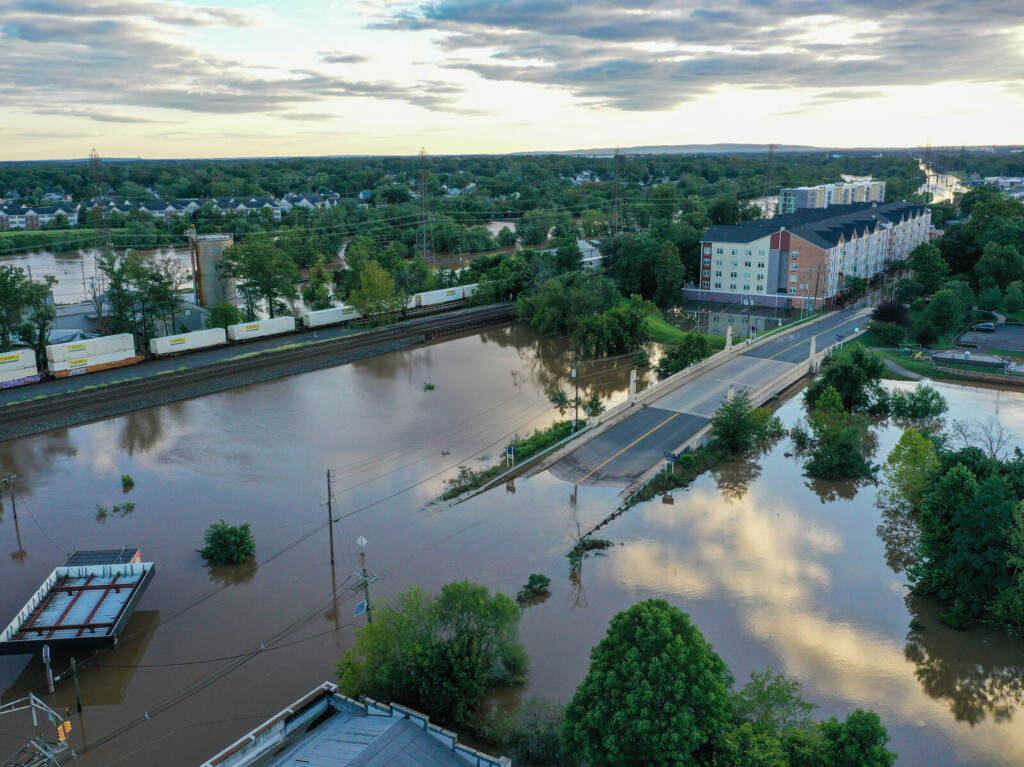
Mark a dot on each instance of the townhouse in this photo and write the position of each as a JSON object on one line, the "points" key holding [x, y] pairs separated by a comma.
{"points": [[36, 216]]}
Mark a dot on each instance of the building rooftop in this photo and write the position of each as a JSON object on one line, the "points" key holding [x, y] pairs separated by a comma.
{"points": [[325, 729]]}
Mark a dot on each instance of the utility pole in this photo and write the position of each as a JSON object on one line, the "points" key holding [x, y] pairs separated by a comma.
{"points": [[615, 224], [9, 481], [367, 579], [576, 378], [330, 516]]}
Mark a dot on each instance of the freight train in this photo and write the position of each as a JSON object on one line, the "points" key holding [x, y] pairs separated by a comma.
{"points": [[20, 367]]}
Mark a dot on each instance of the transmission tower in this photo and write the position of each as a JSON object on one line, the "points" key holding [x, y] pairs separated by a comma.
{"points": [[963, 161], [425, 238], [615, 213], [769, 171], [96, 173]]}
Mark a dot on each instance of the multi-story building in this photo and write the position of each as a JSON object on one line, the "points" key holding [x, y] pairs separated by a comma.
{"points": [[824, 195], [804, 259], [37, 216]]}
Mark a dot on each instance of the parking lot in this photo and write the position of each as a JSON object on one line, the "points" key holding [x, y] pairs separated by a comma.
{"points": [[1006, 338]]}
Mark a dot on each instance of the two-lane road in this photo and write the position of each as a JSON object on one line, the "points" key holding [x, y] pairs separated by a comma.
{"points": [[618, 456]]}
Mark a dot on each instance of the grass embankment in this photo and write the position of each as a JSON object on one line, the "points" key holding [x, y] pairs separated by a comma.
{"points": [[663, 332], [57, 240], [470, 479]]}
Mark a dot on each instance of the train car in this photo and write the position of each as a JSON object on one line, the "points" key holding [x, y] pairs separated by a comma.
{"points": [[332, 316], [18, 367], [469, 290], [186, 342], [243, 331], [90, 355], [434, 297]]}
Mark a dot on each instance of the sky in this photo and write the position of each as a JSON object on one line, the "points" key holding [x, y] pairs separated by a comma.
{"points": [[223, 78]]}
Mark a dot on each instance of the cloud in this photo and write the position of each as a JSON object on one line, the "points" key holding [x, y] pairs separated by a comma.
{"points": [[96, 59], [337, 57], [654, 54]]}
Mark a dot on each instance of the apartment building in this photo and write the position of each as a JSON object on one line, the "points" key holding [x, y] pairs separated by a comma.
{"points": [[803, 259], [825, 195], [36, 216]]}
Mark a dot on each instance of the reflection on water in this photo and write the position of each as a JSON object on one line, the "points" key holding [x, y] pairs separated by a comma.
{"points": [[776, 570]]}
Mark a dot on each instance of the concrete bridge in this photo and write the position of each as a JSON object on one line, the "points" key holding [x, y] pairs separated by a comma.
{"points": [[629, 446]]}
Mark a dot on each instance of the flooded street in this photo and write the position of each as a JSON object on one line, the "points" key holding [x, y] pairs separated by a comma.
{"points": [[775, 571]]}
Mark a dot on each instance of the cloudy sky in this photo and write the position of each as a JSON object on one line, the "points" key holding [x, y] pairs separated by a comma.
{"points": [[222, 78]]}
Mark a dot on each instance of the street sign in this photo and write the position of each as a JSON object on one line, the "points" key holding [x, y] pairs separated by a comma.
{"points": [[360, 609], [671, 456]]}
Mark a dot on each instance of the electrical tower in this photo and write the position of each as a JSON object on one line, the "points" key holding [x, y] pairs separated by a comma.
{"points": [[769, 173], [963, 161], [615, 212], [96, 173], [424, 238]]}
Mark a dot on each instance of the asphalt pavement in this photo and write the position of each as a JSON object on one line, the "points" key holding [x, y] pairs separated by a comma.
{"points": [[621, 454]]}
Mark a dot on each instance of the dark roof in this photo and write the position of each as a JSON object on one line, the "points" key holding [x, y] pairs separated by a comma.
{"points": [[103, 557], [819, 226]]}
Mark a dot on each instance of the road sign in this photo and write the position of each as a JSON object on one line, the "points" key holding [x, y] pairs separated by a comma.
{"points": [[360, 609], [671, 456]]}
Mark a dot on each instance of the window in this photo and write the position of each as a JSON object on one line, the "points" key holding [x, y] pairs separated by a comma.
{"points": [[719, 251], [760, 277], [760, 287], [760, 253], [732, 274], [792, 278], [707, 262], [707, 250], [794, 267], [760, 264], [792, 291], [718, 274], [747, 252], [718, 261], [746, 264], [732, 286], [746, 287], [796, 253], [718, 284], [735, 262], [734, 251], [746, 275]]}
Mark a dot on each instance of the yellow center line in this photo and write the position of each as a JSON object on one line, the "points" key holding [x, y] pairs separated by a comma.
{"points": [[838, 325], [627, 447]]}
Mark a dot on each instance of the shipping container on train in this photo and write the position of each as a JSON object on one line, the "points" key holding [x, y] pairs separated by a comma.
{"points": [[18, 367], [186, 342], [332, 316], [90, 355], [243, 331]]}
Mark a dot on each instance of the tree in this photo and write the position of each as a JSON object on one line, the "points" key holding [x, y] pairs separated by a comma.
{"points": [[117, 269], [224, 314], [436, 653], [559, 400], [507, 238], [892, 311], [535, 735], [18, 296], [855, 373], [724, 209], [564, 300], [594, 406], [228, 544], [669, 275], [534, 225], [376, 295], [998, 266], [839, 440], [942, 315], [35, 330], [690, 349], [594, 222], [888, 333], [1014, 299], [857, 742], [908, 471], [656, 694], [930, 270], [317, 294], [265, 273], [771, 703], [740, 427]]}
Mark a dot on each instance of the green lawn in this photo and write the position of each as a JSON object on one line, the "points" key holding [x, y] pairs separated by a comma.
{"points": [[663, 332]]}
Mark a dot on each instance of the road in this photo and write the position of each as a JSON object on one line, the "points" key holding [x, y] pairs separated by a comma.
{"points": [[618, 456]]}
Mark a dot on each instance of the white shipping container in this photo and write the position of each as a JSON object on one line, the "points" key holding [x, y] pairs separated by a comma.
{"points": [[82, 363], [245, 330], [329, 316], [197, 339], [434, 297], [122, 343], [468, 290], [18, 365]]}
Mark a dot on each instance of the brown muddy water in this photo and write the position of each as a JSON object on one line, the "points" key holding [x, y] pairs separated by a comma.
{"points": [[776, 571]]}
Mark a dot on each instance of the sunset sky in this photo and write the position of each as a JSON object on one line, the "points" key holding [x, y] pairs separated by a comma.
{"points": [[319, 77]]}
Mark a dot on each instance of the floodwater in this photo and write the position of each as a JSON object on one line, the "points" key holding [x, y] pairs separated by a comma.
{"points": [[942, 186], [76, 272], [775, 570]]}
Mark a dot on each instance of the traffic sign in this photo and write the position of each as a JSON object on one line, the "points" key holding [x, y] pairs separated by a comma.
{"points": [[360, 609]]}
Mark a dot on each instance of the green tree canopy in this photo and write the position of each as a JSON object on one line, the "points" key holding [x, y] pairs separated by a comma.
{"points": [[928, 266], [377, 295], [656, 694]]}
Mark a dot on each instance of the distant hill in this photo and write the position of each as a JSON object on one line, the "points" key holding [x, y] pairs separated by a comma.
{"points": [[700, 149]]}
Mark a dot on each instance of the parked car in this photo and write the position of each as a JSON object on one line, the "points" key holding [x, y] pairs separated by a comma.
{"points": [[985, 327]]}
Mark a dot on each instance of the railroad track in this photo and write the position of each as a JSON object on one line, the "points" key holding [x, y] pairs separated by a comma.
{"points": [[76, 407]]}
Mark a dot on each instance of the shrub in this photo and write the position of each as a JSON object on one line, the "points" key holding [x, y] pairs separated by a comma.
{"points": [[691, 349], [127, 481], [888, 333], [228, 544], [536, 586], [892, 311], [923, 402], [741, 428]]}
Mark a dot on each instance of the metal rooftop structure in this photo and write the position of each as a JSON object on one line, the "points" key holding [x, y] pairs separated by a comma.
{"points": [[78, 606], [325, 729]]}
